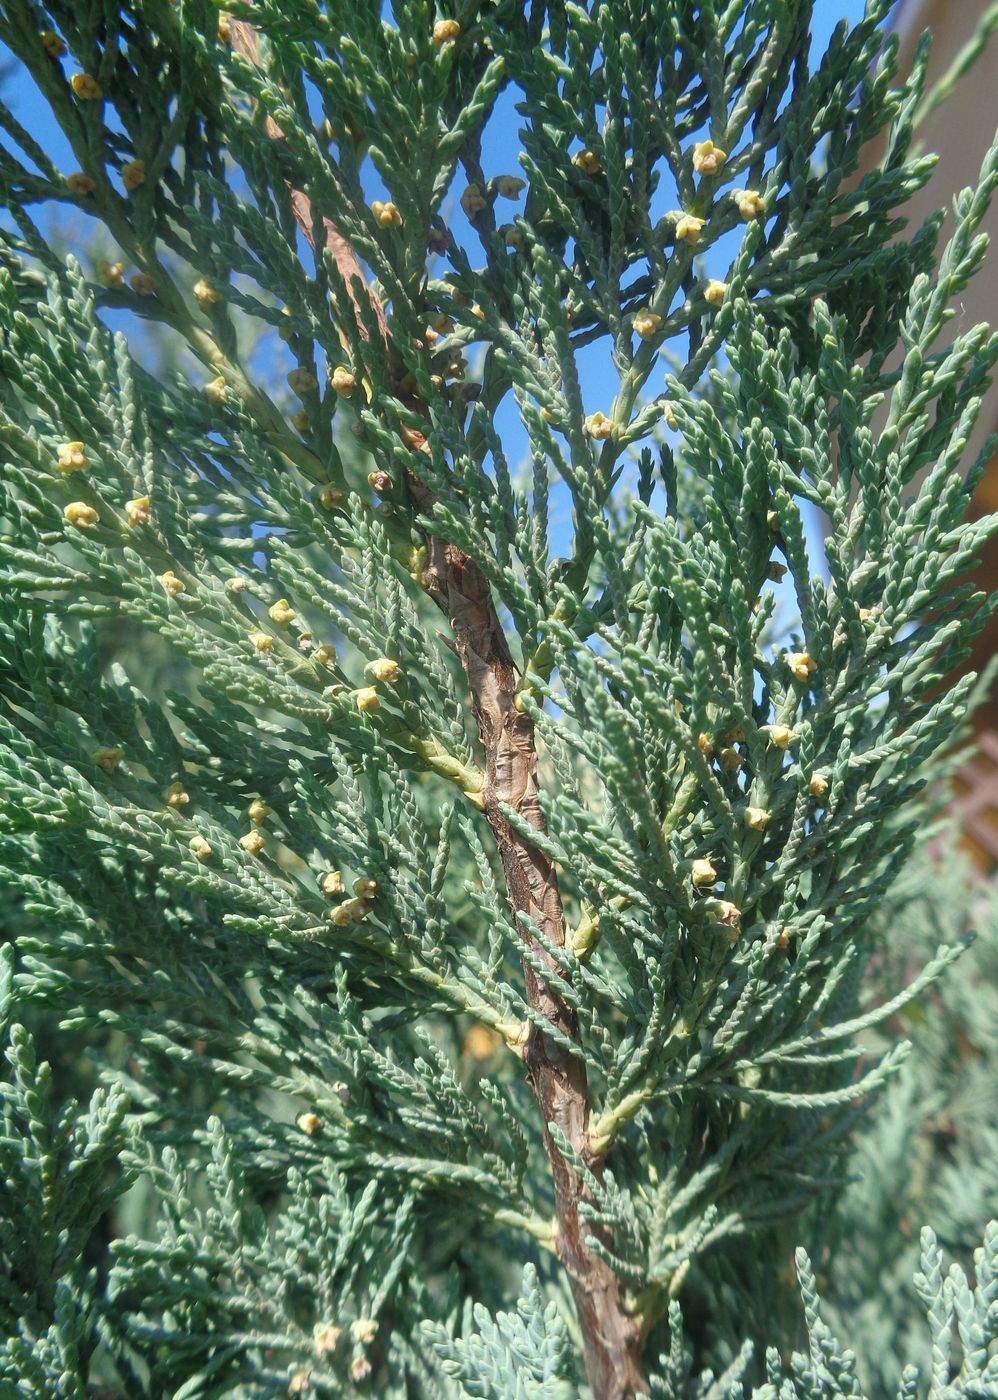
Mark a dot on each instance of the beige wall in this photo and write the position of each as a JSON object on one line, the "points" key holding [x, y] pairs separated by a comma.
{"points": [[960, 132]]}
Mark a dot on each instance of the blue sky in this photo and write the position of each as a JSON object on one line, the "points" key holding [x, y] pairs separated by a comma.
{"points": [[500, 151], [499, 156], [33, 112]]}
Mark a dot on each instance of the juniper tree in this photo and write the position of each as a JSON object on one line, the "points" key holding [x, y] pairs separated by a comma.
{"points": [[491, 889]]}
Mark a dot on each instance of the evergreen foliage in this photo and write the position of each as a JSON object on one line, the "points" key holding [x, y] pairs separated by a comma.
{"points": [[474, 822]]}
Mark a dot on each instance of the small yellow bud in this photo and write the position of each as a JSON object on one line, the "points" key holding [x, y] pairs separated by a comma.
{"points": [[715, 291], [756, 817], [818, 785], [81, 515], [708, 158], [646, 323], [305, 641], [301, 421], [300, 1383], [865, 614], [87, 89], [171, 583], [773, 519], [108, 759], [477, 311], [703, 872], [341, 915], [473, 201], [200, 848], [383, 669], [587, 162], [282, 612], [175, 796], [285, 329], [253, 842], [111, 274], [137, 511], [343, 381], [326, 654], [445, 31], [331, 496], [263, 641], [133, 174], [730, 760], [705, 744], [367, 699], [386, 213], [205, 294], [325, 1337], [365, 888], [510, 186], [72, 457], [724, 911], [143, 284], [360, 1368], [598, 426], [801, 664], [780, 735], [688, 228], [750, 203], [237, 584], [481, 1043], [302, 381], [80, 183], [309, 1123], [258, 811], [52, 43], [513, 237], [224, 31], [669, 415], [332, 884], [215, 391], [380, 481], [364, 1330], [776, 573]]}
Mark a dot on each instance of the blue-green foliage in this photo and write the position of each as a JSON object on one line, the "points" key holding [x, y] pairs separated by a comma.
{"points": [[961, 1318], [522, 1355], [61, 1171], [242, 840]]}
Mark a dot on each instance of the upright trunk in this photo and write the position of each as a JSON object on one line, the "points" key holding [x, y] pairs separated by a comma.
{"points": [[611, 1334]]}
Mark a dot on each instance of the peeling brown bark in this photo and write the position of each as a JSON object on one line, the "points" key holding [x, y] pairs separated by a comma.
{"points": [[611, 1334]]}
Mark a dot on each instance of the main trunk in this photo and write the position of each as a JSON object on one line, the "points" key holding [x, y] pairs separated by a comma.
{"points": [[611, 1335]]}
